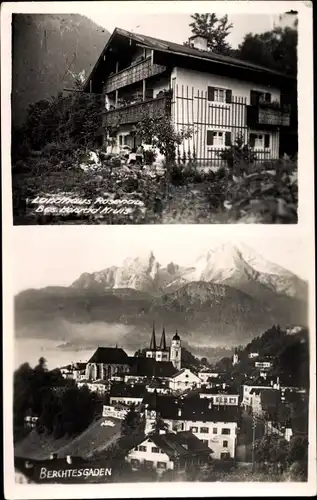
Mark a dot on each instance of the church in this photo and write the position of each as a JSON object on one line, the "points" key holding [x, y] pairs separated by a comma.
{"points": [[163, 353]]}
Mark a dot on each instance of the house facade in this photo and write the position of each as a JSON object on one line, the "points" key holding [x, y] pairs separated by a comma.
{"points": [[183, 380], [215, 427], [169, 451], [217, 98]]}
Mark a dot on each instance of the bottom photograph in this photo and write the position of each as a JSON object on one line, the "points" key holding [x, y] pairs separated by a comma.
{"points": [[173, 355]]}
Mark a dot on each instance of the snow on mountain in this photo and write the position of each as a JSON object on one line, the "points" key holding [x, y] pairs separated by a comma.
{"points": [[237, 266]]}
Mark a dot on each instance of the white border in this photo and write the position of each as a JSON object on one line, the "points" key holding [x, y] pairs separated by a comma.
{"points": [[305, 229]]}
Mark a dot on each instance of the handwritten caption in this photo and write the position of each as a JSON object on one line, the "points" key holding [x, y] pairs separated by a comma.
{"points": [[65, 205]]}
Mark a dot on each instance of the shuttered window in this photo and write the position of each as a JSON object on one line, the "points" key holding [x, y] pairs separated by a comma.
{"points": [[267, 140], [219, 95], [210, 137]]}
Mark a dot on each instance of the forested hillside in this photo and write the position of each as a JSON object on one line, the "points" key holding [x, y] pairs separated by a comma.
{"points": [[48, 50]]}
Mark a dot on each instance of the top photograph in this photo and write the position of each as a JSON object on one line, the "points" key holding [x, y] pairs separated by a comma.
{"points": [[154, 119]]}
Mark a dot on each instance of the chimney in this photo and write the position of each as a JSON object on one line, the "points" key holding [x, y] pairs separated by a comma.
{"points": [[69, 459], [199, 42]]}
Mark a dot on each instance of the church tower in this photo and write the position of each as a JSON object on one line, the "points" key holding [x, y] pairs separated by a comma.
{"points": [[176, 351], [162, 353], [235, 359], [151, 352]]}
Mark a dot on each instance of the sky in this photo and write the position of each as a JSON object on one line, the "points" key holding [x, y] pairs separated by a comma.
{"points": [[52, 255], [175, 27]]}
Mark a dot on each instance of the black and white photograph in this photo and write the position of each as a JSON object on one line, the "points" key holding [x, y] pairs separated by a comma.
{"points": [[158, 249], [160, 362], [132, 118]]}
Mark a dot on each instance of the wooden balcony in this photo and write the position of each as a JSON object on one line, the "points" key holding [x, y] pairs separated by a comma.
{"points": [[258, 116], [134, 112], [137, 72]]}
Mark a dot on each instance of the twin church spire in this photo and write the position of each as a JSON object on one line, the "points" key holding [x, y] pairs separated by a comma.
{"points": [[162, 345]]}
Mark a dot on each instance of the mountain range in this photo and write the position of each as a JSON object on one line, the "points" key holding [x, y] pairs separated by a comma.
{"points": [[48, 52], [229, 294]]}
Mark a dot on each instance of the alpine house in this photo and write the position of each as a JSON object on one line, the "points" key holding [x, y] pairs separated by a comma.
{"points": [[217, 98]]}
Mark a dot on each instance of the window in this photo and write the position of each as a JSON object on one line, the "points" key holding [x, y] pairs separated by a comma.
{"points": [[161, 465], [214, 430], [204, 430], [257, 97], [142, 448], [225, 431], [225, 444], [193, 429], [259, 140], [135, 461], [232, 400], [225, 400], [218, 138], [155, 449], [217, 400], [219, 95], [148, 463]]}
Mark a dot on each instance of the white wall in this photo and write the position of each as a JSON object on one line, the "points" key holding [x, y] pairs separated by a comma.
{"points": [[214, 441], [125, 400], [149, 455], [222, 399], [184, 380], [220, 116]]}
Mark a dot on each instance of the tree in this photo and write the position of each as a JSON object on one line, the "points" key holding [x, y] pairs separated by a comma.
{"points": [[272, 449], [160, 133], [159, 425], [215, 29], [276, 49], [132, 423]]}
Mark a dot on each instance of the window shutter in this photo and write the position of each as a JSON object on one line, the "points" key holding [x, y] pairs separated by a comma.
{"points": [[210, 137], [254, 98], [252, 140], [228, 139], [229, 96], [267, 97], [267, 140], [211, 93]]}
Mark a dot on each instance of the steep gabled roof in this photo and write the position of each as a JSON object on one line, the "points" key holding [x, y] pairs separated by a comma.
{"points": [[111, 355], [177, 444], [173, 48]]}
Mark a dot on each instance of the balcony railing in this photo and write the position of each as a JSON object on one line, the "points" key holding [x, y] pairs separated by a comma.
{"points": [[134, 112], [268, 116], [135, 73]]}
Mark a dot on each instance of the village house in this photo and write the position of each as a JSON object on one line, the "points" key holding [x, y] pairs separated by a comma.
{"points": [[114, 411], [263, 364], [269, 383], [217, 98], [225, 395], [167, 450], [127, 394], [99, 386], [184, 380], [216, 426]]}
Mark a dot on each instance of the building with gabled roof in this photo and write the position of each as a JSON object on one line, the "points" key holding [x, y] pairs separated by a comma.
{"points": [[105, 362], [139, 74], [215, 425], [168, 450]]}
